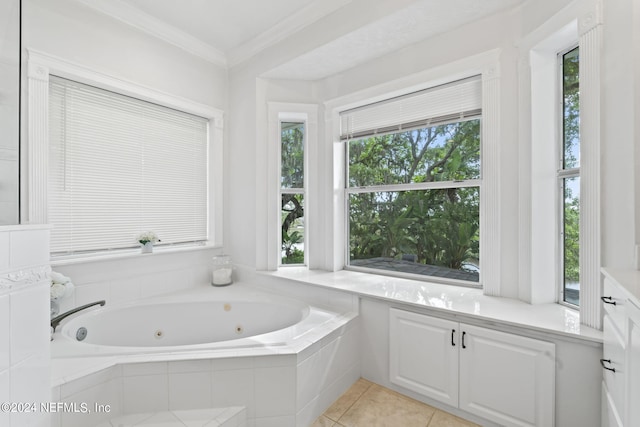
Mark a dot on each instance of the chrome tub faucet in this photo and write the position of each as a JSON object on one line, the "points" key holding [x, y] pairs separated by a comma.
{"points": [[55, 321]]}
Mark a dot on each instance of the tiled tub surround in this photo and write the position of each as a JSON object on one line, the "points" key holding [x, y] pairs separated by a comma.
{"points": [[287, 378], [130, 276], [24, 331]]}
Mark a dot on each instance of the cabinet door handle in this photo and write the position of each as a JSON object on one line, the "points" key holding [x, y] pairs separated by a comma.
{"points": [[453, 343], [463, 334], [608, 300], [603, 361]]}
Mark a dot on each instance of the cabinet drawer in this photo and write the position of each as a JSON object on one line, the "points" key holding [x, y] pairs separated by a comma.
{"points": [[613, 363], [614, 302]]}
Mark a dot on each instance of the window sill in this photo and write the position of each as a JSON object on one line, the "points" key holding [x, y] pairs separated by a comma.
{"points": [[126, 254], [463, 303]]}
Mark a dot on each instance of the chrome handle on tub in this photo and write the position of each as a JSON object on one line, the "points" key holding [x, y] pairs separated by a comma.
{"points": [[56, 320], [603, 361], [608, 300]]}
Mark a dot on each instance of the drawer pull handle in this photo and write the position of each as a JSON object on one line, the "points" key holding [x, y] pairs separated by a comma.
{"points": [[603, 361], [453, 331], [463, 334], [608, 300]]}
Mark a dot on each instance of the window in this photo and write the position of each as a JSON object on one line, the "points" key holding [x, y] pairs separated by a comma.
{"points": [[292, 193], [119, 166], [413, 184], [569, 177]]}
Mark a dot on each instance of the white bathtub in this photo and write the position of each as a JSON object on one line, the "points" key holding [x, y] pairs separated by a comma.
{"points": [[206, 348], [201, 319]]}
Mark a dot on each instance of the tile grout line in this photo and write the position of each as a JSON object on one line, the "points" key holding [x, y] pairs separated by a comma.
{"points": [[354, 402]]}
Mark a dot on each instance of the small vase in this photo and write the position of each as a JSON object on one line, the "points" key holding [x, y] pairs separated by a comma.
{"points": [[147, 248]]}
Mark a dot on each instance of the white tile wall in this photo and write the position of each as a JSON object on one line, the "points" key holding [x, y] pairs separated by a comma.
{"points": [[29, 319], [4, 251], [190, 390], [5, 332], [28, 248], [24, 323], [234, 387], [145, 393], [98, 396], [5, 396], [275, 391], [127, 279]]}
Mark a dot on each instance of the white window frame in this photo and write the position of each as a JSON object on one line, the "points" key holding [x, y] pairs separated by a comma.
{"points": [[561, 175], [34, 184], [538, 240], [425, 186], [278, 112], [541, 223], [487, 65], [302, 119]]}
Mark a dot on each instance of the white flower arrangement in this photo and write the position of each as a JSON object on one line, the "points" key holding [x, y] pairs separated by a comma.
{"points": [[147, 237], [61, 286]]}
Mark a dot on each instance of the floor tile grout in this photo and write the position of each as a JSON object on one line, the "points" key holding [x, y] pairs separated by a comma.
{"points": [[421, 413], [354, 402]]}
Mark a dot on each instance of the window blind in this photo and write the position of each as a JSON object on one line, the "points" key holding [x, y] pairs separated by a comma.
{"points": [[120, 166], [453, 101]]}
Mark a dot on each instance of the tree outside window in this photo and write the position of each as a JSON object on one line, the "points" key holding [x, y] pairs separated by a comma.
{"points": [[569, 178], [413, 201], [292, 193]]}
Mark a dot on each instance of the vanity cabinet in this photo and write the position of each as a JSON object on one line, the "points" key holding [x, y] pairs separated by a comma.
{"points": [[633, 365], [502, 377], [621, 357]]}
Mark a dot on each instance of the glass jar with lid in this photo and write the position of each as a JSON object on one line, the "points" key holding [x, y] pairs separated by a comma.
{"points": [[221, 270]]}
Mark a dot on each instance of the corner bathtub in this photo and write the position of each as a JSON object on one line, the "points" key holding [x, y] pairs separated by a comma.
{"points": [[202, 319]]}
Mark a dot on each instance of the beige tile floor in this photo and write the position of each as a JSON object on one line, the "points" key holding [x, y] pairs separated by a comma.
{"points": [[367, 404]]}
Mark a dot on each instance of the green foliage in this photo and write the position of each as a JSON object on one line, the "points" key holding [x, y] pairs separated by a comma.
{"points": [[292, 255], [571, 237], [439, 226], [292, 155], [292, 176], [295, 257], [571, 159], [571, 108]]}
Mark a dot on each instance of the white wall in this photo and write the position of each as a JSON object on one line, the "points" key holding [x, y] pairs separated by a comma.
{"points": [[636, 81], [67, 30], [9, 77], [249, 91], [504, 31], [618, 135], [76, 33], [24, 328], [495, 32]]}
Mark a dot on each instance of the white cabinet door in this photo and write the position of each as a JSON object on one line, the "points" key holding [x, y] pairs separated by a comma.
{"points": [[610, 416], [613, 364], [633, 366], [507, 378], [424, 355]]}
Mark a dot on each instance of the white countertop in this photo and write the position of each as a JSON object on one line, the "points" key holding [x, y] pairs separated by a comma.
{"points": [[463, 302]]}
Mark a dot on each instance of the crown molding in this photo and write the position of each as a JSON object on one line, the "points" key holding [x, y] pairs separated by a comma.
{"points": [[144, 22], [285, 28]]}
